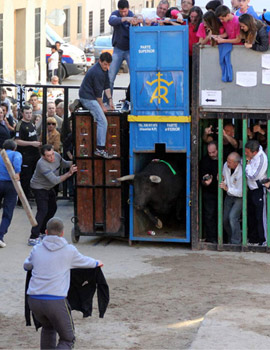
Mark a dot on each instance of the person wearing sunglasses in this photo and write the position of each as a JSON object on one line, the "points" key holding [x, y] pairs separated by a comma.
{"points": [[53, 136]]}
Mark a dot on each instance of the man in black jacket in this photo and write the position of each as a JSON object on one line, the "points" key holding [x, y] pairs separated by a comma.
{"points": [[209, 171]]}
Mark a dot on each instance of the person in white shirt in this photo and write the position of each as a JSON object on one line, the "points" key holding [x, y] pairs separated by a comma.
{"points": [[256, 169], [53, 62], [232, 185], [162, 8]]}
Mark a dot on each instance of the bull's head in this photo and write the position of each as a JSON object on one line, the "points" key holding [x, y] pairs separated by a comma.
{"points": [[144, 188]]}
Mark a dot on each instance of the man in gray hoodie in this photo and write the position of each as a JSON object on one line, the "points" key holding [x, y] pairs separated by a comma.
{"points": [[50, 262]]}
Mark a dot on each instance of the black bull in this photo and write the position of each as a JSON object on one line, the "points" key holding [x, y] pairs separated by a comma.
{"points": [[158, 191]]}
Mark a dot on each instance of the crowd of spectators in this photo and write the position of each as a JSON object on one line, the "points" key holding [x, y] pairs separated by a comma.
{"points": [[257, 181], [26, 130], [239, 24], [28, 135]]}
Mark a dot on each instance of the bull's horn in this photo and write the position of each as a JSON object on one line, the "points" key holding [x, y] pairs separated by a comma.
{"points": [[154, 178], [126, 178]]}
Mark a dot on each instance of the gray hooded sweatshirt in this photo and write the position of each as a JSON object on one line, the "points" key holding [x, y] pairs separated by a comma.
{"points": [[50, 262]]}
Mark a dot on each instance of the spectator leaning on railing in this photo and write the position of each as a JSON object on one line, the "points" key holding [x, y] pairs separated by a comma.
{"points": [[253, 33]]}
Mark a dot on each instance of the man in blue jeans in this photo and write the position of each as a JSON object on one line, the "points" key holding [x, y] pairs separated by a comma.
{"points": [[120, 20], [7, 190], [94, 83]]}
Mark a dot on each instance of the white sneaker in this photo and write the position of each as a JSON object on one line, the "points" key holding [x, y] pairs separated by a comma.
{"points": [[102, 153], [2, 244], [33, 241]]}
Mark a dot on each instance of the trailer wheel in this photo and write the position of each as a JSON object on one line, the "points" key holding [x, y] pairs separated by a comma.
{"points": [[74, 237]]}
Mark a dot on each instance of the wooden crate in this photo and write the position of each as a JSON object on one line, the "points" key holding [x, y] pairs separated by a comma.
{"points": [[100, 202]]}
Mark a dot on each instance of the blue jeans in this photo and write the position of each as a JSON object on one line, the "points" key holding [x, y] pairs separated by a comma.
{"points": [[8, 192], [231, 218], [118, 57], [99, 117]]}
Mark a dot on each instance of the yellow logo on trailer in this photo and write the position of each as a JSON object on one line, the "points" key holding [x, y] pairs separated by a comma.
{"points": [[157, 93]]}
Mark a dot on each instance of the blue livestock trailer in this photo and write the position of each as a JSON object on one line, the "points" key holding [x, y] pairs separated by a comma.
{"points": [[160, 120]]}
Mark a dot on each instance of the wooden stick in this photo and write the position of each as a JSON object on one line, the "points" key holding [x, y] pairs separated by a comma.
{"points": [[18, 188]]}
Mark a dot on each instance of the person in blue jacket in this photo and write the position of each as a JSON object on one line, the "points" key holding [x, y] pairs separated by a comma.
{"points": [[245, 8], [120, 20], [265, 18], [7, 191]]}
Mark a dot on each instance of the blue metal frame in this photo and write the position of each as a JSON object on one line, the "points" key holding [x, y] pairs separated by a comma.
{"points": [[159, 50], [159, 69], [133, 149]]}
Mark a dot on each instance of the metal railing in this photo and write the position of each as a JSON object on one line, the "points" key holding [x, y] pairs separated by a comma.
{"points": [[21, 92]]}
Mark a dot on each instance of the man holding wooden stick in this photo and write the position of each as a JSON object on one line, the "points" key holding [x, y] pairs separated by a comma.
{"points": [[7, 190], [45, 178]]}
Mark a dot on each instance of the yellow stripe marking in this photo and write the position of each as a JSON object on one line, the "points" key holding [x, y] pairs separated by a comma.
{"points": [[159, 118]]}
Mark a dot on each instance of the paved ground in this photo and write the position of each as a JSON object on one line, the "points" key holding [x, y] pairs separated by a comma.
{"points": [[163, 296]]}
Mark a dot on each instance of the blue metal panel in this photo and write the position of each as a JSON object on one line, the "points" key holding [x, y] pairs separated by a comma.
{"points": [[159, 70], [145, 135]]}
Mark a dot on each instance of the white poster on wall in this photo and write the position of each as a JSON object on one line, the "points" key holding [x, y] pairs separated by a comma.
{"points": [[211, 97], [266, 76], [266, 61], [246, 79]]}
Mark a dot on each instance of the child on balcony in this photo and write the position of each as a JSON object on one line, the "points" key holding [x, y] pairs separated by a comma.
{"points": [[245, 8]]}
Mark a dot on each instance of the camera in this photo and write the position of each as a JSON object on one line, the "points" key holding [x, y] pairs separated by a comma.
{"points": [[214, 130], [206, 177]]}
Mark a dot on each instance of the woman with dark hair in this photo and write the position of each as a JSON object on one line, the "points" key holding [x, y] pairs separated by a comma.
{"points": [[210, 26], [173, 17], [213, 5], [194, 21], [172, 12], [253, 33]]}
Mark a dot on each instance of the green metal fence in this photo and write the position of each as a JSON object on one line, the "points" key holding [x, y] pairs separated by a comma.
{"points": [[241, 123], [242, 116]]}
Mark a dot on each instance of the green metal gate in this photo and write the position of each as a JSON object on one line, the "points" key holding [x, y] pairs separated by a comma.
{"points": [[219, 114]]}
